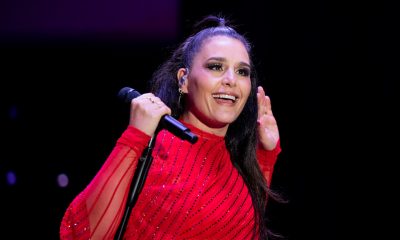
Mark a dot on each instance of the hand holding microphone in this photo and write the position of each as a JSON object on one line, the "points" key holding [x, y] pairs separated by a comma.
{"points": [[148, 112]]}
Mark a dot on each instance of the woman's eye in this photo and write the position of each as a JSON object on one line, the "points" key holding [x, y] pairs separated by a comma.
{"points": [[214, 66], [244, 72]]}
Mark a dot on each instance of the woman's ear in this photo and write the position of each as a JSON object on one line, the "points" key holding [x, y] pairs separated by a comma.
{"points": [[182, 79]]}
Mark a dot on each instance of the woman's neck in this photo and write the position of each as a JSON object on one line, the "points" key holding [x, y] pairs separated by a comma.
{"points": [[190, 118]]}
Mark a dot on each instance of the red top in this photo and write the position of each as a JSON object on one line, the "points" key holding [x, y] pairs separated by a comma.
{"points": [[192, 191]]}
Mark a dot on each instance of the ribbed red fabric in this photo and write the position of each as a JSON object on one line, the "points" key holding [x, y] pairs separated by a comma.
{"points": [[192, 191]]}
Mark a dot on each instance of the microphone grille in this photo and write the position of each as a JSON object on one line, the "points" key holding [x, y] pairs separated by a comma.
{"points": [[126, 94]]}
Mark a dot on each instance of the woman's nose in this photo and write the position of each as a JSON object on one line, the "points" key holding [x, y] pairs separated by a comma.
{"points": [[229, 78]]}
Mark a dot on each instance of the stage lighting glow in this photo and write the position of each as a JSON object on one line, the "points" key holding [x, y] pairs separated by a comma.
{"points": [[13, 112], [100, 19], [62, 180], [11, 178]]}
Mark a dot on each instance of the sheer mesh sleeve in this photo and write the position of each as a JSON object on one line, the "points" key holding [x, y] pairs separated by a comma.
{"points": [[96, 212], [267, 159]]}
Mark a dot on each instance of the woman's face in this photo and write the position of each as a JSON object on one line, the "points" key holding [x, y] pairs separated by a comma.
{"points": [[218, 84]]}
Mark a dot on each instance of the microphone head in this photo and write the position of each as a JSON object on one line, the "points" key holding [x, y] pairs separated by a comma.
{"points": [[126, 94]]}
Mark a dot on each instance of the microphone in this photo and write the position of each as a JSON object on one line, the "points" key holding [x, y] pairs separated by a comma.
{"points": [[126, 94]]}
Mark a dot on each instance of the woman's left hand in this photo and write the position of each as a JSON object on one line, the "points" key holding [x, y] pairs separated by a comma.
{"points": [[268, 133]]}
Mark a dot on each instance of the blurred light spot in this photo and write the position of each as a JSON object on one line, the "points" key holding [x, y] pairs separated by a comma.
{"points": [[11, 178], [62, 180], [13, 112]]}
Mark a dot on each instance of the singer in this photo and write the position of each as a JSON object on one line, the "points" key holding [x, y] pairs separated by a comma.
{"points": [[216, 188]]}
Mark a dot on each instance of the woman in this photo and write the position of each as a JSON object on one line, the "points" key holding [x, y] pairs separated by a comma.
{"points": [[216, 188]]}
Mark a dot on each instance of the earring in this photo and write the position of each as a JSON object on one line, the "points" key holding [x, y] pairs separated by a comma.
{"points": [[180, 96]]}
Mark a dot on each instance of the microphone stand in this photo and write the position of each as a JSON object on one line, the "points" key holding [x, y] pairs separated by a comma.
{"points": [[127, 94], [137, 184]]}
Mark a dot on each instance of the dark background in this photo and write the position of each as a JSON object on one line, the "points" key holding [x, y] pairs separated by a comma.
{"points": [[328, 67]]}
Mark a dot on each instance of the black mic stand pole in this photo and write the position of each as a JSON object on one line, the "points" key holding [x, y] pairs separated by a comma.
{"points": [[137, 184]]}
